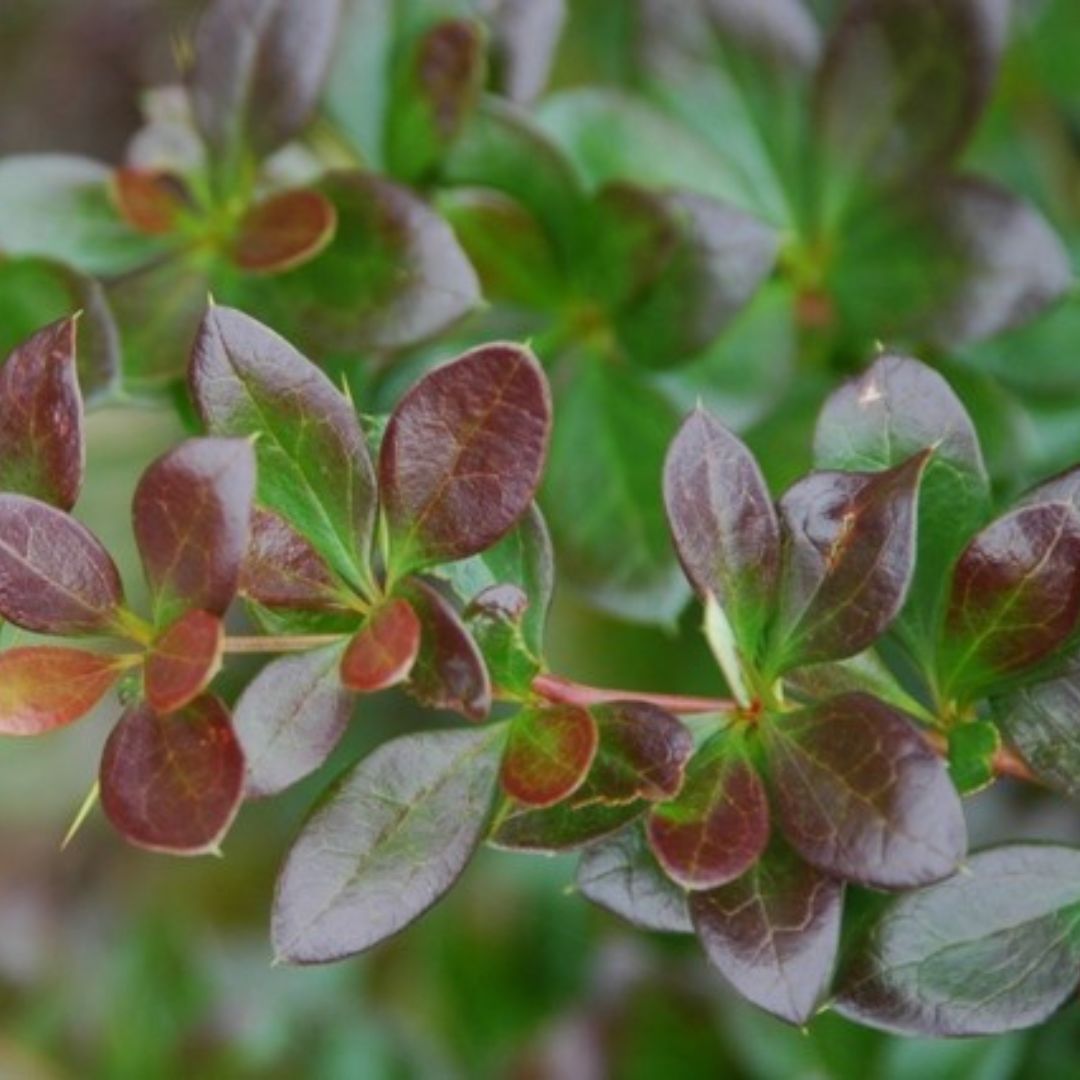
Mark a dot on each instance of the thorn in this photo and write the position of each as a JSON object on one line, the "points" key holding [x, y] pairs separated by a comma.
{"points": [[215, 851], [83, 813], [278, 961]]}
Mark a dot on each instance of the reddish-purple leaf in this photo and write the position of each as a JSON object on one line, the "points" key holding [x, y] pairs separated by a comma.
{"points": [[449, 672], [149, 200], [1015, 597], [42, 687], [284, 231], [548, 754], [642, 754], [387, 842], [383, 651], [290, 718], [463, 453], [55, 577], [723, 522], [183, 660], [192, 513], [848, 557], [773, 933], [41, 418], [861, 796], [173, 783], [718, 825]]}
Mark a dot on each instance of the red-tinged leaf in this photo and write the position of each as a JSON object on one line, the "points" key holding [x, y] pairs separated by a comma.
{"points": [[314, 466], [449, 672], [548, 754], [564, 827], [386, 843], [642, 754], [41, 418], [192, 513], [183, 660], [993, 949], [42, 688], [173, 783], [773, 933], [622, 875], [290, 718], [718, 825], [259, 69], [55, 577], [282, 569], [149, 200], [284, 231], [848, 558], [723, 522], [383, 651], [1015, 597], [861, 796], [463, 454]]}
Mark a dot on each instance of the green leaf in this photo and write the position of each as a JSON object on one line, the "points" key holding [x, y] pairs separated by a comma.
{"points": [[567, 826], [994, 949], [494, 619], [972, 747], [548, 754], [386, 843]]}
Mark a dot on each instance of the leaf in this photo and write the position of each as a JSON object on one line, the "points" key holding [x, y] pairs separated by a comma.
{"points": [[58, 206], [494, 619], [314, 467], [548, 754], [607, 456], [463, 454], [865, 671], [43, 688], [383, 651], [1015, 597], [861, 796], [449, 672], [192, 514], [386, 843], [991, 950], [621, 875], [643, 753], [564, 827], [525, 37], [149, 200], [282, 569], [283, 232], [895, 409], [183, 660], [173, 783], [773, 933], [42, 452], [290, 718], [972, 747], [55, 577], [259, 69], [723, 523], [718, 824], [848, 558]]}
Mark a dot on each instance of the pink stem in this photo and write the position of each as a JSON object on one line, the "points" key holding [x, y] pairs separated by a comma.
{"points": [[566, 692]]}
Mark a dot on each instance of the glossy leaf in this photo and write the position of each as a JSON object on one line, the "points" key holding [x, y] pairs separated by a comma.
{"points": [[972, 748], [173, 783], [718, 825], [149, 200], [283, 232], [382, 652], [463, 453], [548, 753], [42, 452], [848, 557], [259, 69], [1015, 597], [386, 843], [994, 949], [192, 514], [290, 718], [43, 687], [314, 466], [774, 932], [861, 796], [55, 577], [622, 875], [183, 660], [564, 827], [723, 522], [449, 672], [896, 409]]}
